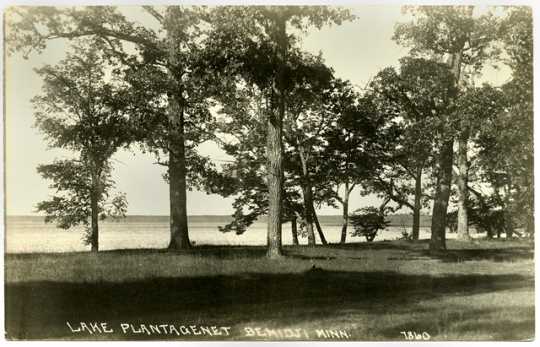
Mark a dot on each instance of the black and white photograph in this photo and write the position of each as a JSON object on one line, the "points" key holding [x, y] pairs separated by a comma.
{"points": [[269, 172]]}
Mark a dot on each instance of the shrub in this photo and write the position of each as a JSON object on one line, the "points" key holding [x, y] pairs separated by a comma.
{"points": [[367, 222]]}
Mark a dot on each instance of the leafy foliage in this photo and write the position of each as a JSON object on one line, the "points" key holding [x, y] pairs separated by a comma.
{"points": [[414, 102], [440, 30], [505, 140], [266, 66], [368, 221], [71, 204], [220, 74], [81, 111]]}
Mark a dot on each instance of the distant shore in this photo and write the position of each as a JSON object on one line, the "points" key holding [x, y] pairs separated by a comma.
{"points": [[395, 219]]}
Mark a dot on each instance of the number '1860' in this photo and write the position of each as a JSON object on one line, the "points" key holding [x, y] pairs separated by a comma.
{"points": [[413, 335]]}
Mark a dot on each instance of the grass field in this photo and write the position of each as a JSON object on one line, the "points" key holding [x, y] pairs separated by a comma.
{"points": [[475, 291]]}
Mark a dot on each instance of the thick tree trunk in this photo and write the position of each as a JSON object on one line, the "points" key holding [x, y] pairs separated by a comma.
{"points": [[318, 225], [444, 172], [177, 178], [274, 147], [417, 205], [294, 231], [345, 214], [442, 195], [275, 184], [177, 157], [462, 181], [94, 206]]}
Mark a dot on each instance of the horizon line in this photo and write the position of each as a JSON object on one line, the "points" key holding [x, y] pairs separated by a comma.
{"points": [[195, 215]]}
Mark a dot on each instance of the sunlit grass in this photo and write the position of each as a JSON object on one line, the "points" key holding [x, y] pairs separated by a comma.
{"points": [[476, 291]]}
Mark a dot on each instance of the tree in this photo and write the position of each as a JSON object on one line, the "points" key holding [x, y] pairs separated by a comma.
{"points": [[306, 119], [171, 83], [508, 145], [499, 121], [241, 134], [356, 143], [479, 107], [506, 152], [368, 221], [80, 111], [466, 41], [243, 126], [414, 98], [259, 37]]}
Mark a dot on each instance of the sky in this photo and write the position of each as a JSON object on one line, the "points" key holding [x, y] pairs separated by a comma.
{"points": [[355, 50]]}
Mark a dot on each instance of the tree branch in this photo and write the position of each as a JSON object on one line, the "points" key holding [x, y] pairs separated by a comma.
{"points": [[154, 13]]}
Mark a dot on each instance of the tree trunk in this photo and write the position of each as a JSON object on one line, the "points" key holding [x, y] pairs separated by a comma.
{"points": [[529, 226], [442, 195], [462, 181], [444, 172], [308, 216], [318, 225], [274, 146], [177, 177], [509, 226], [417, 205], [177, 157], [275, 184], [507, 215], [489, 233], [345, 214], [294, 231], [307, 194], [94, 206]]}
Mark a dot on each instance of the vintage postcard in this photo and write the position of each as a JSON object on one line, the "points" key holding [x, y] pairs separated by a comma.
{"points": [[269, 172]]}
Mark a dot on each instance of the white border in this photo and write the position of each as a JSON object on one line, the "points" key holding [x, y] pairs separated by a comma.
{"points": [[536, 26]]}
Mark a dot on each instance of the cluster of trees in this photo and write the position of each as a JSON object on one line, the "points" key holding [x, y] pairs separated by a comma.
{"points": [[299, 136]]}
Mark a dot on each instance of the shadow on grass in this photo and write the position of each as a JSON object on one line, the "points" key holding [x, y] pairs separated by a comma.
{"points": [[499, 324], [222, 252], [379, 245], [493, 250], [37, 310], [495, 255]]}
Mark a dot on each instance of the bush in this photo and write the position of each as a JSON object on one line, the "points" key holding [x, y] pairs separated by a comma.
{"points": [[367, 222]]}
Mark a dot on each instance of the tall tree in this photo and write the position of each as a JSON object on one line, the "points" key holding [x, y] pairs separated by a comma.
{"points": [[506, 141], [453, 33], [260, 36], [480, 107], [241, 134], [244, 128], [355, 143], [414, 99], [168, 60], [79, 111], [306, 119]]}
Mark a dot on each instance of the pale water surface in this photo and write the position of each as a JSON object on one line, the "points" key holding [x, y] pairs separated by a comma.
{"points": [[31, 234]]}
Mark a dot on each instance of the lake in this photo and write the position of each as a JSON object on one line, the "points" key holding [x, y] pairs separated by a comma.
{"points": [[25, 234]]}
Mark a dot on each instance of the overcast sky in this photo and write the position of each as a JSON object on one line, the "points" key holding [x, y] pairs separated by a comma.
{"points": [[356, 50]]}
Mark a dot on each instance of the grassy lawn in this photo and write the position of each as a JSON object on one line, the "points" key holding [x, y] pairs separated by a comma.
{"points": [[475, 291]]}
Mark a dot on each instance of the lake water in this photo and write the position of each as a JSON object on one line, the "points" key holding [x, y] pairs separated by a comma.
{"points": [[31, 234]]}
